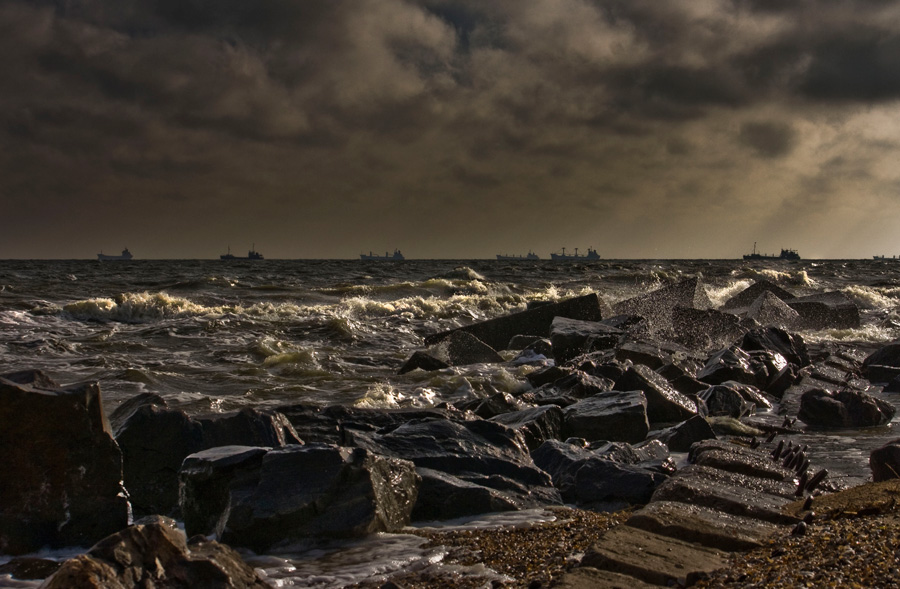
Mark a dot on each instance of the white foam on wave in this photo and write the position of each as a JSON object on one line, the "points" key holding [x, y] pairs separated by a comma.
{"points": [[383, 395], [798, 278], [867, 297], [136, 308], [718, 295], [865, 333]]}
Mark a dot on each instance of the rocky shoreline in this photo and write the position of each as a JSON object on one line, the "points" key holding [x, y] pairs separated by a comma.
{"points": [[599, 435]]}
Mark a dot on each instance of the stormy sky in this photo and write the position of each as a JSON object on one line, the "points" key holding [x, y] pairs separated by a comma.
{"points": [[449, 128]]}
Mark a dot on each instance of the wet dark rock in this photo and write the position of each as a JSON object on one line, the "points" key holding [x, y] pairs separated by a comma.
{"points": [[541, 346], [485, 453], [422, 361], [774, 374], [354, 492], [826, 310], [774, 339], [614, 415], [536, 424], [704, 328], [885, 462], [609, 477], [752, 465], [497, 332], [496, 404], [601, 364], [156, 439], [28, 568], [760, 288], [769, 310], [62, 470], [206, 481], [572, 338], [883, 364], [845, 408], [520, 342], [727, 400], [548, 375], [664, 403], [154, 553], [443, 496], [680, 438], [579, 385], [731, 364], [657, 306]]}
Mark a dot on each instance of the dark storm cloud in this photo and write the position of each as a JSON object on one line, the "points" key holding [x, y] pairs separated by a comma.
{"points": [[338, 112], [768, 139]]}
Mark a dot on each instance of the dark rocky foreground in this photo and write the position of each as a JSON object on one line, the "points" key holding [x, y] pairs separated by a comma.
{"points": [[660, 374]]}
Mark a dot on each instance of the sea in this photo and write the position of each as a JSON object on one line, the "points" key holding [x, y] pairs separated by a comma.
{"points": [[216, 336]]}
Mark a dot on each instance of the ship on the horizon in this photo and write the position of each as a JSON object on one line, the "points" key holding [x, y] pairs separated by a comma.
{"points": [[531, 256], [251, 255], [125, 255], [591, 255], [397, 256], [884, 258], [785, 255]]}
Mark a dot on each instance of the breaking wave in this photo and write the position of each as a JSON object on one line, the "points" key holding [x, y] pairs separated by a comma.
{"points": [[135, 308]]}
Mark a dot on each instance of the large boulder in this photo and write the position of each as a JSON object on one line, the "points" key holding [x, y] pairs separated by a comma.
{"points": [[769, 310], [883, 364], [62, 469], [680, 438], [845, 408], [300, 492], [572, 337], [702, 329], [536, 424], [664, 403], [614, 415], [734, 364], [885, 461], [658, 306], [827, 310], [752, 293], [775, 339], [498, 332], [155, 439], [484, 453], [154, 553]]}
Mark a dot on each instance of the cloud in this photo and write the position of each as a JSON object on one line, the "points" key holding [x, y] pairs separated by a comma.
{"points": [[768, 139]]}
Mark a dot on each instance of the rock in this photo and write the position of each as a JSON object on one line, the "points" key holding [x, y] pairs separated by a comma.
{"points": [[572, 337], [585, 577], [496, 404], [732, 364], [206, 479], [775, 339], [443, 496], [730, 497], [664, 403], [601, 364], [548, 375], [704, 328], [331, 424], [702, 525], [607, 478], [758, 289], [679, 438], [422, 361], [826, 310], [769, 310], [536, 424], [578, 385], [657, 306], [28, 568], [354, 493], [883, 364], [652, 558], [726, 400], [481, 452], [752, 465], [774, 374], [155, 440], [154, 553], [614, 415], [497, 332], [62, 470], [885, 462], [845, 408], [460, 348]]}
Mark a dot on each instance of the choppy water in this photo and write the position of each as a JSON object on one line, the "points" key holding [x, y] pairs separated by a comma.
{"points": [[211, 335]]}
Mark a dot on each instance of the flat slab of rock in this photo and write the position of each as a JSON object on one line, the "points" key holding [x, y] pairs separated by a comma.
{"points": [[498, 332], [710, 527], [591, 578], [652, 558], [614, 415]]}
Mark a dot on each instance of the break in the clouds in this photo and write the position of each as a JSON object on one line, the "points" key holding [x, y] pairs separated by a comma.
{"points": [[449, 128]]}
